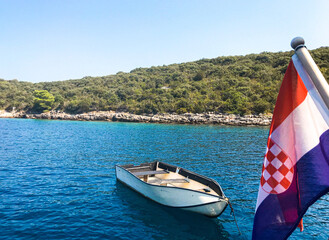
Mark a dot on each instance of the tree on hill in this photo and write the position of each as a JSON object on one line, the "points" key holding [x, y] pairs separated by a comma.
{"points": [[43, 101]]}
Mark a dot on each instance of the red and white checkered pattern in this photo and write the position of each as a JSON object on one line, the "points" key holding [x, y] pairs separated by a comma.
{"points": [[278, 170]]}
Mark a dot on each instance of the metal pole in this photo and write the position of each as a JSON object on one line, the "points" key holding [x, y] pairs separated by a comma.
{"points": [[311, 68]]}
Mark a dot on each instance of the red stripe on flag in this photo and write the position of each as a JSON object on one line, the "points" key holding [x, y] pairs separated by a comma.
{"points": [[292, 93]]}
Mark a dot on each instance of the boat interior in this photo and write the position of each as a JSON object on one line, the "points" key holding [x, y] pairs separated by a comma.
{"points": [[163, 174]]}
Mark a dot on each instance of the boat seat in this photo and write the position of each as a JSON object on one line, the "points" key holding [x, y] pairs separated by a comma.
{"points": [[138, 168], [166, 181], [150, 172]]}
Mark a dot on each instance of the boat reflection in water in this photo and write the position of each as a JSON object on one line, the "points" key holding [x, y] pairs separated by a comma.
{"points": [[165, 222]]}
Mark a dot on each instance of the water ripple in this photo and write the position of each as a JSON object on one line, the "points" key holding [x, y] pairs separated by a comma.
{"points": [[58, 181]]}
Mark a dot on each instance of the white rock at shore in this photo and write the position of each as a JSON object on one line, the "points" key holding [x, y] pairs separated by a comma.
{"points": [[186, 118]]}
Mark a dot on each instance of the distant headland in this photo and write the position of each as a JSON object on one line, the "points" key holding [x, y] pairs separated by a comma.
{"points": [[235, 90]]}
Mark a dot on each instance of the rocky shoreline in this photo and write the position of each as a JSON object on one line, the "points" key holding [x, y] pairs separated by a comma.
{"points": [[186, 118]]}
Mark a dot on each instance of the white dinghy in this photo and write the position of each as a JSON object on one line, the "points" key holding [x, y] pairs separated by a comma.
{"points": [[174, 187]]}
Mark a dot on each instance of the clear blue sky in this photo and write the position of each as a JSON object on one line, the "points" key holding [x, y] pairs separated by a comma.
{"points": [[59, 40]]}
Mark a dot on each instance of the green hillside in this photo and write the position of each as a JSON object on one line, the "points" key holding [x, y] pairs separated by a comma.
{"points": [[235, 84]]}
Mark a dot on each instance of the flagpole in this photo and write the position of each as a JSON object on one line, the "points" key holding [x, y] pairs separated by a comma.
{"points": [[311, 68]]}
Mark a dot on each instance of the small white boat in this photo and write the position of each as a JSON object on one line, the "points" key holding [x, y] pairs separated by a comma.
{"points": [[174, 187]]}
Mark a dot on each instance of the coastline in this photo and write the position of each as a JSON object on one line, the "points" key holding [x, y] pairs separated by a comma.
{"points": [[186, 118]]}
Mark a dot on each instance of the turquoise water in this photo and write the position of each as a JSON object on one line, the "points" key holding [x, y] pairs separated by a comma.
{"points": [[58, 180]]}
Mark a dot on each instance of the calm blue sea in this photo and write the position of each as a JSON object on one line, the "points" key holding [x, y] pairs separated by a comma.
{"points": [[57, 180]]}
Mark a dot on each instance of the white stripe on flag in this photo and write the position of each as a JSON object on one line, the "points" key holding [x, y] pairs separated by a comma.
{"points": [[301, 130]]}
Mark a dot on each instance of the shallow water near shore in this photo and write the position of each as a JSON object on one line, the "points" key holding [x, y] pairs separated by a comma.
{"points": [[58, 180]]}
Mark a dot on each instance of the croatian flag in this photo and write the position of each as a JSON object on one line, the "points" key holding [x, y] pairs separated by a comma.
{"points": [[296, 166]]}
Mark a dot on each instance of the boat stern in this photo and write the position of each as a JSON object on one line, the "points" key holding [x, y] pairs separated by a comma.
{"points": [[213, 210]]}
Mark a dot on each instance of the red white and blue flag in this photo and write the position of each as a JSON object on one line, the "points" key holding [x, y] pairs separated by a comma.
{"points": [[296, 166]]}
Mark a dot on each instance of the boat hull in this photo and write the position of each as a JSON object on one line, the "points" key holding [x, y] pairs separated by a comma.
{"points": [[186, 199]]}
